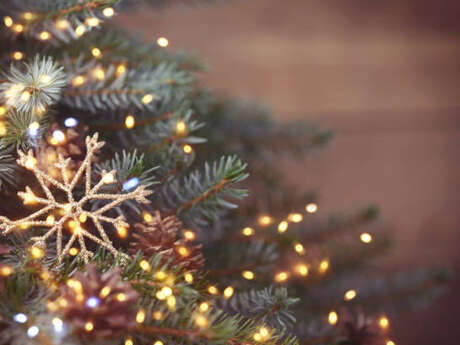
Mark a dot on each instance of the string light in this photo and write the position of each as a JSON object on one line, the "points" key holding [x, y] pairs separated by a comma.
{"points": [[8, 21], [105, 291], [45, 35], [108, 12], [99, 73], [171, 302], [390, 342], [89, 326], [299, 248], [36, 252], [93, 302], [249, 275], [158, 342], [129, 121], [203, 307], [281, 277], [30, 163], [162, 42], [262, 335], [323, 266], [160, 275], [32, 331], [302, 269], [188, 277], [3, 129], [164, 293], [384, 323], [122, 231], [349, 295], [181, 127], [201, 321], [18, 28], [213, 290], [28, 15], [6, 271], [57, 324], [145, 265], [73, 251], [121, 297], [121, 69], [189, 235], [365, 237], [295, 217], [228, 292], [33, 129], [17, 55], [283, 226], [2, 110], [332, 317], [57, 137], [96, 52], [92, 21], [147, 216], [264, 220], [140, 316], [78, 80], [108, 178], [80, 30], [146, 99], [311, 207], [62, 24], [25, 96], [70, 122], [247, 231], [157, 315], [187, 149], [20, 318]]}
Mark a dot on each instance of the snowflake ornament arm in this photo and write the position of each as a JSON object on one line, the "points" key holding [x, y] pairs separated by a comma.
{"points": [[73, 214]]}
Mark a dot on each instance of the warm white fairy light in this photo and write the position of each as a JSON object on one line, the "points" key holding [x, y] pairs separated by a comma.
{"points": [[99, 73], [92, 21], [80, 30], [248, 231], [108, 12], [130, 121], [249, 275], [349, 295], [62, 24], [283, 226], [181, 127], [44, 35], [311, 207], [28, 16], [365, 237], [333, 317], [228, 292], [302, 269], [33, 129], [264, 220], [188, 277], [299, 248], [263, 335], [146, 99], [8, 21], [390, 342], [187, 149], [17, 55], [295, 217], [213, 290], [18, 28], [2, 110], [281, 277], [78, 80], [189, 235], [58, 325], [96, 52], [384, 323], [162, 42], [140, 316], [323, 266]]}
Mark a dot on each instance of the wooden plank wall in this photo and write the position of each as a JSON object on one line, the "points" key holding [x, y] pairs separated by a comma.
{"points": [[385, 76]]}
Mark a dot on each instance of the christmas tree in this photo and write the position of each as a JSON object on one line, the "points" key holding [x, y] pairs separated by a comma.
{"points": [[126, 218]]}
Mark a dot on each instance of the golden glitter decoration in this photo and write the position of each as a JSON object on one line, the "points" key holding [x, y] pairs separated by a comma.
{"points": [[72, 211]]}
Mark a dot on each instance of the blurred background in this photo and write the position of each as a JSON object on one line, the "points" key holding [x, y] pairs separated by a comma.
{"points": [[384, 75]]}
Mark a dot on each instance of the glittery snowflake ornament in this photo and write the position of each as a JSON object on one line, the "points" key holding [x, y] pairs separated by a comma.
{"points": [[71, 215]]}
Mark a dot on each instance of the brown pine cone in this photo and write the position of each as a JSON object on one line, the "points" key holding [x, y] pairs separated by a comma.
{"points": [[357, 329], [99, 304], [160, 235], [69, 142]]}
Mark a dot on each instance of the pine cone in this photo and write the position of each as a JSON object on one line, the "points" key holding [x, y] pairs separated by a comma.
{"points": [[161, 236], [359, 330], [99, 304], [69, 142]]}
